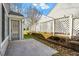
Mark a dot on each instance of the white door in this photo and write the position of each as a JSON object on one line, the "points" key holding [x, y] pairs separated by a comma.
{"points": [[15, 30]]}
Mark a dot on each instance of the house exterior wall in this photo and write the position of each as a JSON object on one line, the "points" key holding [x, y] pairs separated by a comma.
{"points": [[4, 43], [0, 27], [7, 7]]}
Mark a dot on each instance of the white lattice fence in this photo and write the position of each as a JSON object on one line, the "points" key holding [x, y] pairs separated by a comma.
{"points": [[41, 27], [65, 26], [50, 26], [76, 27], [62, 26], [37, 27], [46, 26]]}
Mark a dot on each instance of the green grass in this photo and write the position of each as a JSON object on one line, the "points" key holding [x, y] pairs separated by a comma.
{"points": [[27, 36]]}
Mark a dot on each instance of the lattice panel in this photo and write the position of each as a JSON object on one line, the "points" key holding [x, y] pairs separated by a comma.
{"points": [[44, 27], [76, 27], [47, 26], [50, 26], [41, 27], [62, 26], [37, 27], [33, 28]]}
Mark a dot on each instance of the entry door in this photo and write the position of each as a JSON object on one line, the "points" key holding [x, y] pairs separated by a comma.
{"points": [[15, 30]]}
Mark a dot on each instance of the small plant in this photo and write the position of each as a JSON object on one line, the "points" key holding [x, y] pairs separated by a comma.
{"points": [[27, 36]]}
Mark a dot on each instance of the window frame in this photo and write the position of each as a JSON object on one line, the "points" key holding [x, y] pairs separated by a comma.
{"points": [[3, 23]]}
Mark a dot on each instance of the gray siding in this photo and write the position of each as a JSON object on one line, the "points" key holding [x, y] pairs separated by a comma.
{"points": [[0, 25], [3, 44]]}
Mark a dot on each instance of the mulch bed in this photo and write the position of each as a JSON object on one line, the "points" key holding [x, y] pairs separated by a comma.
{"points": [[62, 47]]}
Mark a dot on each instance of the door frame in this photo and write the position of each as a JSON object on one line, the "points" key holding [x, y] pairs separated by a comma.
{"points": [[20, 28], [13, 22]]}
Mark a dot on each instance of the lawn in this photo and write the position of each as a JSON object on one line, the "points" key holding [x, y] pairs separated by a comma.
{"points": [[27, 36]]}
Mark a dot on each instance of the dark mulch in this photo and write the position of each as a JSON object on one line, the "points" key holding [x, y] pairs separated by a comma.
{"points": [[61, 44]]}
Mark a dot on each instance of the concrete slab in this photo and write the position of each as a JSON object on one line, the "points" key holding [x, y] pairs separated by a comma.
{"points": [[30, 47]]}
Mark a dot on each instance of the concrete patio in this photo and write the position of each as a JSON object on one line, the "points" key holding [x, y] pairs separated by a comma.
{"points": [[29, 47]]}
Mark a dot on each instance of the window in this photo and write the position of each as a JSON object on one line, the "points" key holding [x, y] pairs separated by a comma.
{"points": [[3, 23]]}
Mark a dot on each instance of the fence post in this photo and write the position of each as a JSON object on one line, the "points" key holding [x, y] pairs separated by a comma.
{"points": [[53, 27], [71, 26]]}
